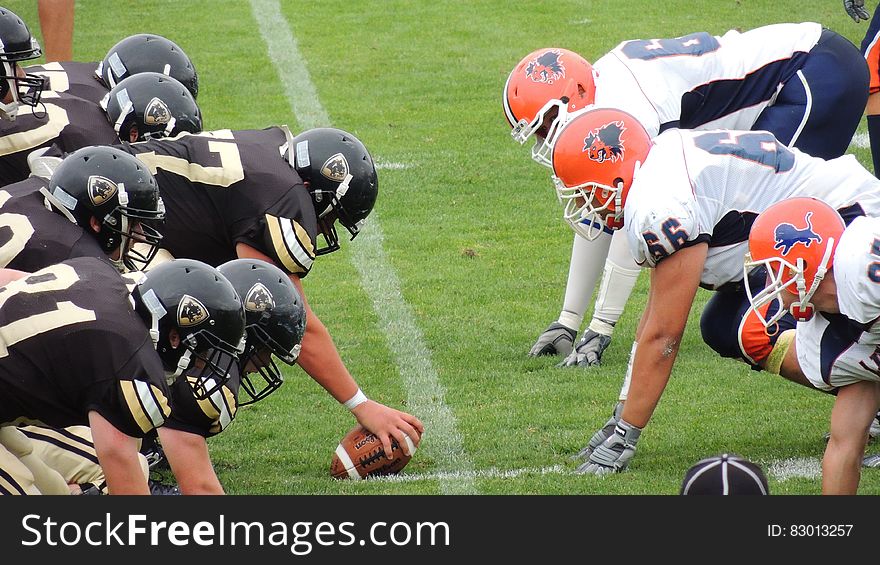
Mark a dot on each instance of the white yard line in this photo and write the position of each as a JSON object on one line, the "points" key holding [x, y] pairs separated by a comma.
{"points": [[861, 140], [425, 393], [491, 473], [382, 165], [795, 468]]}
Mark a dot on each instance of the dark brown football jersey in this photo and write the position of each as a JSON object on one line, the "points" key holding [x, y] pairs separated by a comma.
{"points": [[70, 342], [206, 417], [62, 120], [33, 236], [79, 79], [226, 187]]}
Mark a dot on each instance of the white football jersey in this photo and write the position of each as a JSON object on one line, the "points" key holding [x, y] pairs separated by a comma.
{"points": [[838, 350], [708, 186], [704, 80]]}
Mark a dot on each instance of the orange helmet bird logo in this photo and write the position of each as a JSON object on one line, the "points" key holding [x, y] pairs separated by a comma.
{"points": [[605, 143], [546, 67]]}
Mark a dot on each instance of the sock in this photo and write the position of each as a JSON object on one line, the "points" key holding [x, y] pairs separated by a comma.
{"points": [[587, 258]]}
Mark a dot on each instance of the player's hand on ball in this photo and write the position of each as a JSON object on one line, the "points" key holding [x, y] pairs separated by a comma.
{"points": [[388, 423]]}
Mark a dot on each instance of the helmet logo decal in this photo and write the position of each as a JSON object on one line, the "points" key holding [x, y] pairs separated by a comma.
{"points": [[191, 312], [546, 68], [787, 235], [604, 143], [335, 168], [100, 189], [157, 112], [259, 299]]}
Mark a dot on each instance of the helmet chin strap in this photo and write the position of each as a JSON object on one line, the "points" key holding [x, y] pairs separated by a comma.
{"points": [[10, 110], [803, 309], [123, 230], [182, 365]]}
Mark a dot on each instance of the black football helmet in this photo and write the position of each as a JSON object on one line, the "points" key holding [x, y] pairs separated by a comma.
{"points": [[276, 322], [156, 104], [146, 52], [341, 178], [17, 44], [119, 192], [201, 305]]}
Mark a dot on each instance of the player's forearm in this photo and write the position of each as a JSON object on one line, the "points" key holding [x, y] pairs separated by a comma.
{"points": [[652, 367], [320, 359], [190, 461], [123, 473]]}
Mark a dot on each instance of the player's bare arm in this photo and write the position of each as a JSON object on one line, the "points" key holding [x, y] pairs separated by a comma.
{"points": [[187, 453], [320, 359], [117, 454], [673, 285], [854, 409]]}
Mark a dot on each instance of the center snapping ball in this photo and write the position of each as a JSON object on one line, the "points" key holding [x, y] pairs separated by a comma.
{"points": [[360, 455]]}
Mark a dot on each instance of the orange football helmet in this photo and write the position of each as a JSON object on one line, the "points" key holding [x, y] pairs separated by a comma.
{"points": [[795, 240], [594, 158], [543, 88]]}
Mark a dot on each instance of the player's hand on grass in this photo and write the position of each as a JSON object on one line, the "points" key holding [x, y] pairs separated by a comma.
{"points": [[588, 351], [613, 454], [856, 9], [600, 436], [555, 340]]}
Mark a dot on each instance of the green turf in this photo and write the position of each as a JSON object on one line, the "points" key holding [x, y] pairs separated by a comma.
{"points": [[473, 231]]}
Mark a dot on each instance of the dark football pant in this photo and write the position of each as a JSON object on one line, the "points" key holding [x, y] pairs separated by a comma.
{"points": [[819, 109], [732, 329]]}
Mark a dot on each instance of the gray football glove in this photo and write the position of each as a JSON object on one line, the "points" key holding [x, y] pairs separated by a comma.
{"points": [[603, 433], [556, 340], [588, 351], [856, 9], [613, 454]]}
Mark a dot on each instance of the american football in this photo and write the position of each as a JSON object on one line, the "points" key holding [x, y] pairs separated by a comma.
{"points": [[360, 455]]}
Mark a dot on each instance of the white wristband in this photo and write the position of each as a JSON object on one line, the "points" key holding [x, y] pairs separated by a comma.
{"points": [[356, 400]]}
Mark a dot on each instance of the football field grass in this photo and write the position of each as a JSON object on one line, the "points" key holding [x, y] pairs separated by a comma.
{"points": [[434, 310]]}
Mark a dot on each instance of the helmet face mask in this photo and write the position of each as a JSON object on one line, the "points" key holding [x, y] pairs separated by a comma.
{"points": [[17, 44], [794, 240], [545, 127], [589, 207]]}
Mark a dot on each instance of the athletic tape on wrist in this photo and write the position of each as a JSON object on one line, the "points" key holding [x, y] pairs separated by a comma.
{"points": [[356, 400]]}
